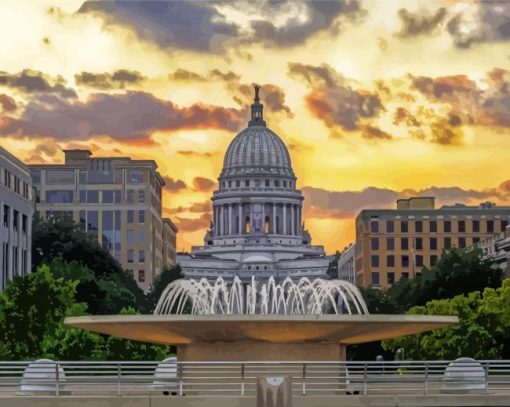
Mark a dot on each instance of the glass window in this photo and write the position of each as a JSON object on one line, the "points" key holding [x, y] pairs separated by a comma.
{"points": [[419, 260], [130, 256], [375, 261], [374, 242], [433, 243], [131, 196], [137, 176], [390, 226], [108, 197], [390, 261], [116, 197], [433, 226], [462, 226], [130, 216], [404, 243], [405, 261], [238, 183], [404, 226], [266, 182], [60, 176], [419, 226], [107, 230], [36, 176], [419, 243], [504, 224], [405, 275], [447, 226], [246, 183], [141, 216], [433, 260], [141, 276], [447, 243], [141, 256], [141, 236], [59, 196], [277, 183], [130, 236], [374, 225], [490, 226], [390, 277], [390, 243], [141, 196], [92, 222], [93, 196], [462, 242], [375, 278], [476, 226]]}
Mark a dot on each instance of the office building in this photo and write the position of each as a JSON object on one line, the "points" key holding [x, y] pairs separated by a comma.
{"points": [[16, 211], [498, 247], [116, 199], [346, 264], [396, 243], [169, 242]]}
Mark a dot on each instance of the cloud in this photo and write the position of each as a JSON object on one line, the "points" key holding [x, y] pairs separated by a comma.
{"points": [[196, 207], [129, 116], [116, 80], [174, 184], [272, 96], [334, 101], [7, 103], [30, 82], [189, 153], [321, 203], [188, 25], [184, 75], [301, 19], [192, 225], [415, 24], [372, 132], [202, 184]]}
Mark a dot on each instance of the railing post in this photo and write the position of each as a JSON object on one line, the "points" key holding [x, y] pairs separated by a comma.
{"points": [[242, 379], [487, 367], [57, 388], [303, 391], [365, 384], [179, 370], [426, 378], [119, 384]]}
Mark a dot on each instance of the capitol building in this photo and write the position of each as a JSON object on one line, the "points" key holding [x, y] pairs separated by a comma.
{"points": [[258, 226]]}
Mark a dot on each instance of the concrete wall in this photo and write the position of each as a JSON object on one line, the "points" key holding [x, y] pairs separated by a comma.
{"points": [[332, 401]]}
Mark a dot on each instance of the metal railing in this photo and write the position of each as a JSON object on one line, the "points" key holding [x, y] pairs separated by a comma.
{"points": [[240, 378]]}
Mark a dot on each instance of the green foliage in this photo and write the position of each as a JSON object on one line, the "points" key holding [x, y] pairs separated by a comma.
{"points": [[167, 276], [103, 284], [333, 266], [483, 331]]}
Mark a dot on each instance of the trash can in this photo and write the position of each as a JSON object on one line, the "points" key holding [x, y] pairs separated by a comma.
{"points": [[274, 391]]}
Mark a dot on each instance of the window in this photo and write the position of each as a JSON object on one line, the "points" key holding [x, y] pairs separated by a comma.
{"points": [[433, 260], [404, 243], [375, 261], [405, 275], [433, 226], [24, 223], [141, 256], [447, 226], [130, 236], [462, 242], [374, 243], [476, 226], [405, 261], [247, 183], [131, 196], [266, 182], [92, 222], [36, 176], [504, 224], [60, 176], [419, 243], [141, 276], [375, 278], [141, 195], [137, 176], [374, 225], [433, 243], [419, 226], [141, 236], [476, 240], [490, 226], [390, 260], [419, 260], [141, 216], [92, 196], [59, 196], [108, 197], [130, 255], [462, 225], [390, 243], [404, 228], [285, 184], [390, 277], [447, 242], [390, 226], [15, 220], [130, 216], [277, 183]]}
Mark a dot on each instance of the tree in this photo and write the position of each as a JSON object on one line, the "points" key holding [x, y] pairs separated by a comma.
{"points": [[104, 285], [167, 276], [333, 266], [483, 331]]}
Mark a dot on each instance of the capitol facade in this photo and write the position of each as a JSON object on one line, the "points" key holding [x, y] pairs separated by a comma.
{"points": [[257, 227]]}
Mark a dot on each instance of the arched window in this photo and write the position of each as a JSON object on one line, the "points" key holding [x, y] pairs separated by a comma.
{"points": [[247, 225], [267, 226]]}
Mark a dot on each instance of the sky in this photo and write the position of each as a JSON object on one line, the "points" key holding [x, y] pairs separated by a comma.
{"points": [[376, 100]]}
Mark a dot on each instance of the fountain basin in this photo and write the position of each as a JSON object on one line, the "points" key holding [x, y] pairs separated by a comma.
{"points": [[260, 337]]}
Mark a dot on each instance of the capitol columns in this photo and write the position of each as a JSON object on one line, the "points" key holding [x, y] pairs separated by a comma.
{"points": [[284, 218], [273, 225], [292, 219], [263, 217], [230, 218], [222, 221], [240, 225]]}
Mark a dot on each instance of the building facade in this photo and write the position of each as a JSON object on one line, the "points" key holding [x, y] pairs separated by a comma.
{"points": [[346, 264], [169, 248], [16, 211], [257, 228], [396, 243], [498, 247], [116, 199]]}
